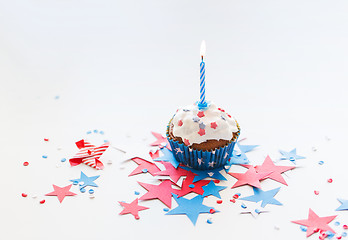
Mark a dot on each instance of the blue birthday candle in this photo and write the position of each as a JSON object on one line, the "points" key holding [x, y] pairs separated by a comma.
{"points": [[202, 103]]}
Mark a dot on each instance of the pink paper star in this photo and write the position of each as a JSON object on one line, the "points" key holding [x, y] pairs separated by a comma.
{"points": [[142, 165], [188, 186], [213, 125], [132, 208], [172, 172], [163, 192], [160, 140], [315, 222], [201, 132], [250, 177], [155, 154], [269, 166], [61, 193]]}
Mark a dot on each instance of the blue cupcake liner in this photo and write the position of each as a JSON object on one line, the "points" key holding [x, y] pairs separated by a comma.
{"points": [[208, 159]]}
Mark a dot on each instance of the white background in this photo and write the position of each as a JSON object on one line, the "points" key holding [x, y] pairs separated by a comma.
{"points": [[280, 67]]}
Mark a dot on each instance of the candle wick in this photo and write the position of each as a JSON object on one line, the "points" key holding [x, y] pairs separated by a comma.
{"points": [[202, 58]]}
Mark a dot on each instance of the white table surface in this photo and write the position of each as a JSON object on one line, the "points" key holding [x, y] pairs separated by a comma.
{"points": [[280, 67]]}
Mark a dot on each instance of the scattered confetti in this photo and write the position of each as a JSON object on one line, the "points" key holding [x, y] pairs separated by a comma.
{"points": [[292, 156], [265, 196], [25, 164], [84, 181], [209, 221], [344, 204], [63, 160], [316, 192], [46, 139], [329, 180], [90, 191], [61, 192], [42, 201], [250, 177], [44, 156], [144, 166], [24, 195], [212, 189], [132, 208], [321, 162], [162, 192]]}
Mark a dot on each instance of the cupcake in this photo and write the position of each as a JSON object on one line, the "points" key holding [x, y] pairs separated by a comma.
{"points": [[202, 138]]}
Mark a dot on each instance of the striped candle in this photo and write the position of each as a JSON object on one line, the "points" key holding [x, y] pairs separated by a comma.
{"points": [[202, 103]]}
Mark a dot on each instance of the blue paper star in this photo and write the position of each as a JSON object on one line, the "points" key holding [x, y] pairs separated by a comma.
{"points": [[292, 156], [85, 181], [201, 174], [168, 157], [212, 189], [265, 196], [237, 158], [344, 204], [246, 148], [191, 207]]}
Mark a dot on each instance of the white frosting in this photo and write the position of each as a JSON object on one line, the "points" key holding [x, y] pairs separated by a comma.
{"points": [[216, 123]]}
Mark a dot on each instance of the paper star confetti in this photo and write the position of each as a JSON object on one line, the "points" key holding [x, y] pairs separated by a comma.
{"points": [[191, 207], [61, 192], [188, 186], [168, 157], [315, 222], [292, 156], [250, 177], [201, 174], [161, 141], [212, 189], [89, 154], [246, 148], [269, 166], [162, 192], [265, 196], [143, 167], [132, 208], [344, 204], [172, 172], [85, 181]]}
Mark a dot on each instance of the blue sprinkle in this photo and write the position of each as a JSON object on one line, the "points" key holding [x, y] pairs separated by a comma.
{"points": [[136, 192], [337, 223], [101, 132], [106, 141], [63, 160], [82, 190], [75, 182], [95, 131], [166, 209], [89, 132], [144, 170], [191, 186], [321, 162], [44, 156], [344, 234], [238, 194], [209, 221], [56, 97], [257, 211], [329, 234], [303, 228], [91, 191], [243, 206]]}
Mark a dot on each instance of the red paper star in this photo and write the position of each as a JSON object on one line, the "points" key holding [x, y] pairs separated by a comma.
{"points": [[213, 125], [250, 177], [315, 222], [155, 154], [132, 208], [163, 192], [160, 140], [61, 193], [201, 132], [172, 172], [200, 114], [268, 166], [143, 164], [188, 186]]}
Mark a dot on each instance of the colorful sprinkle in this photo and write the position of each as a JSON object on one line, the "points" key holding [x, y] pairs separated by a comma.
{"points": [[316, 192], [191, 186], [166, 209], [219, 201], [95, 131], [303, 228], [75, 182], [243, 206], [89, 132], [235, 196], [24, 195], [216, 181], [101, 132], [201, 132], [42, 201], [337, 223], [136, 192], [212, 210], [25, 164], [202, 125], [209, 221], [329, 180], [233, 200], [46, 139], [344, 234], [63, 159], [213, 125], [186, 142], [144, 170], [200, 114], [345, 226], [180, 123], [257, 211], [91, 191], [44, 156], [222, 117], [321, 162], [195, 119], [82, 190]]}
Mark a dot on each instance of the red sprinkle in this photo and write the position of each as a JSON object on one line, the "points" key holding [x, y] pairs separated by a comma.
{"points": [[46, 139], [221, 109], [186, 142], [229, 115], [25, 164], [236, 196], [316, 192], [219, 201], [201, 132], [24, 195], [137, 217], [339, 237], [216, 181], [212, 211], [233, 200], [345, 227], [213, 125], [42, 201], [180, 123], [200, 114], [329, 180]]}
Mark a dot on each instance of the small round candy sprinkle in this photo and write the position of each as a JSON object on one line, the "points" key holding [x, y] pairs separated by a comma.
{"points": [[89, 132], [82, 190], [219, 201], [235, 196], [91, 191], [106, 141], [243, 206], [303, 228], [44, 156], [75, 182], [166, 209], [339, 237], [25, 164], [316, 192], [321, 162], [345, 226], [144, 170], [344, 234], [337, 223], [212, 210], [63, 159], [46, 139], [216, 181], [191, 186], [329, 180], [209, 221], [95, 131], [24, 195], [136, 192], [233, 200], [42, 201], [257, 211], [101, 132], [137, 217]]}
